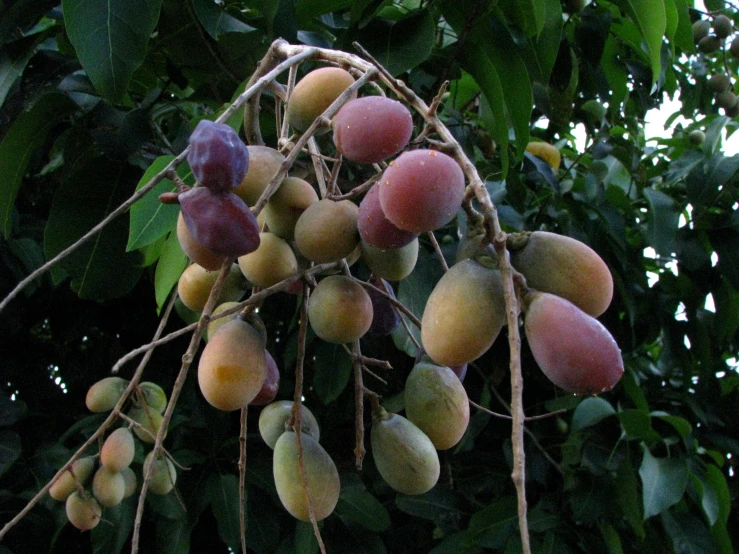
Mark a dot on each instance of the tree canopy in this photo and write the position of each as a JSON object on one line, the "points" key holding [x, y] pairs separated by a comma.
{"points": [[97, 103]]}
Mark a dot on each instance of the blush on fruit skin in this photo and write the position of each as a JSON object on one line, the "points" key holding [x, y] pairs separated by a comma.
{"points": [[268, 392], [371, 129], [218, 158], [221, 222], [574, 350], [421, 190], [376, 229]]}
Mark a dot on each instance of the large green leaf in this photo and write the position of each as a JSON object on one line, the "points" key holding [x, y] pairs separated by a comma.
{"points": [[688, 533], [170, 266], [333, 368], [527, 15], [305, 10], [590, 411], [25, 135], [223, 491], [492, 526], [100, 269], [173, 536], [358, 505], [10, 449], [663, 482], [540, 51], [110, 38], [664, 216], [400, 45], [651, 18], [150, 219], [111, 538], [216, 20]]}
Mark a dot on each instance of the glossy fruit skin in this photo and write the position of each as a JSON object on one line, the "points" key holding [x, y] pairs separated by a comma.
{"points": [[574, 350], [286, 206], [264, 163], [215, 324], [320, 474], [547, 152], [233, 366], [83, 513], [404, 455], [217, 156], [393, 264], [274, 416], [118, 450], [339, 310], [163, 474], [376, 229], [385, 318], [108, 487], [196, 283], [129, 478], [327, 230], [220, 222], [196, 251], [314, 93], [436, 402], [566, 267], [459, 370], [269, 264], [65, 485], [372, 129], [421, 190], [271, 383], [464, 314], [105, 394]]}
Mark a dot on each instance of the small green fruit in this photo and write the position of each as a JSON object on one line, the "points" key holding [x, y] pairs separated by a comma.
{"points": [[722, 26], [163, 474], [709, 44], [697, 137], [274, 416], [65, 485], [701, 28], [719, 83], [83, 513], [105, 394]]}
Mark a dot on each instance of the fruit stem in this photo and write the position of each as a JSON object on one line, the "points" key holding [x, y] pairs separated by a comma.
{"points": [[359, 450]]}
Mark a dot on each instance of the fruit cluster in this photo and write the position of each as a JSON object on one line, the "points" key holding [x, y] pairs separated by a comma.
{"points": [[417, 191], [114, 479], [710, 38]]}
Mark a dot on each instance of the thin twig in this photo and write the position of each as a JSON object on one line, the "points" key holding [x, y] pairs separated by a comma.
{"points": [[437, 251]]}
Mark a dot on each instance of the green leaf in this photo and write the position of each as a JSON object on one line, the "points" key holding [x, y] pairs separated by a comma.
{"points": [[611, 538], [305, 538], [589, 412], [436, 505], [492, 526], [651, 18], [173, 536], [170, 266], [664, 216], [216, 20], [13, 60], [111, 538], [100, 269], [10, 449], [456, 543], [637, 425], [528, 15], [663, 482], [682, 426], [540, 51], [413, 292], [333, 368], [627, 497], [401, 45], [306, 10], [688, 533], [223, 491], [715, 495], [110, 39], [683, 38], [11, 411], [25, 135], [358, 505], [28, 251], [150, 218]]}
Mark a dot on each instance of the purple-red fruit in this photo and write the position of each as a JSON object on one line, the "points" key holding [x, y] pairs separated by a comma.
{"points": [[421, 190], [221, 222], [376, 229], [384, 317], [271, 383], [574, 350], [218, 158], [371, 129]]}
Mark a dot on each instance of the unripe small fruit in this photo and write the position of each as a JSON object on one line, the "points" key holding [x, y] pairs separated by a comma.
{"points": [[285, 206], [719, 82], [196, 283], [129, 478], [320, 474], [697, 137], [722, 26], [403, 454], [734, 48], [393, 264], [108, 487], [547, 152], [437, 403], [105, 394], [154, 396], [118, 450], [339, 310], [274, 416], [314, 93], [574, 350], [151, 421], [701, 28], [83, 513], [709, 44], [216, 324], [327, 230], [163, 474], [264, 163], [66, 485], [726, 99], [269, 264]]}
